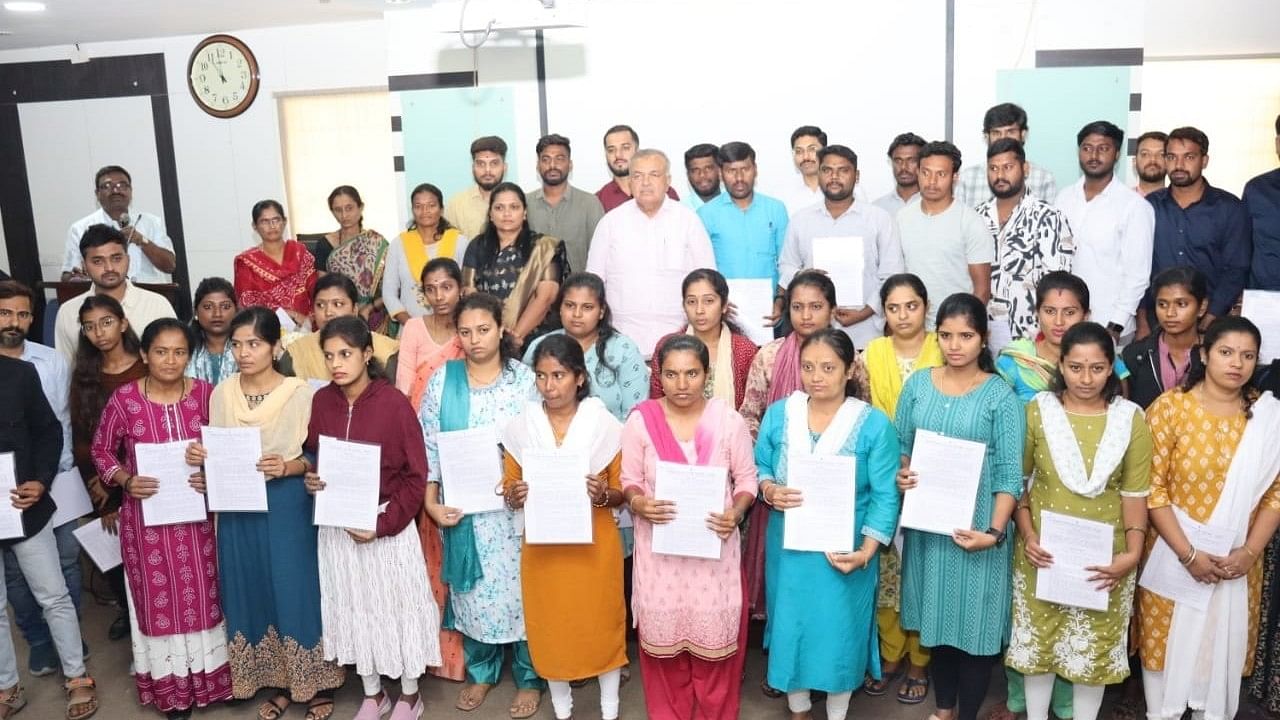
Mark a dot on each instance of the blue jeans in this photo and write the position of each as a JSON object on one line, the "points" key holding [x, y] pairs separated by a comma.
{"points": [[37, 558], [25, 608]]}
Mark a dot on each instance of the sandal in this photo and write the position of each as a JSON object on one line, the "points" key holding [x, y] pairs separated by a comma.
{"points": [[320, 708], [81, 693], [272, 710], [875, 688], [769, 690], [468, 699], [906, 696], [11, 701], [521, 709]]}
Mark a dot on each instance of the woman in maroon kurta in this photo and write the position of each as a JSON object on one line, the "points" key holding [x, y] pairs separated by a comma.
{"points": [[376, 606]]}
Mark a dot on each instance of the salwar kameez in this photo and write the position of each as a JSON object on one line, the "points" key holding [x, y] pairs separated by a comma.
{"points": [[690, 613], [821, 630], [178, 633]]}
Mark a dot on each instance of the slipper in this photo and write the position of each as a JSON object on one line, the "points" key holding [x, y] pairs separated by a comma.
{"points": [[876, 688], [467, 700], [769, 690], [271, 710], [908, 684], [516, 704]]}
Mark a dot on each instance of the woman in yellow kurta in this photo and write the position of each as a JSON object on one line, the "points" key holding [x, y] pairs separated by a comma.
{"points": [[1216, 462], [890, 360], [574, 612]]}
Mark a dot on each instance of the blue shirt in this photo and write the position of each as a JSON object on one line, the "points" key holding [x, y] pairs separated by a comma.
{"points": [[747, 243], [1262, 197], [1212, 235]]}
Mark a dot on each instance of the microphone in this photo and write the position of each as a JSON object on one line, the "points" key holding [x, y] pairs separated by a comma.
{"points": [[124, 221]]}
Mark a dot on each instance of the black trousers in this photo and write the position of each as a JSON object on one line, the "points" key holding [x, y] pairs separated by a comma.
{"points": [[960, 680]]}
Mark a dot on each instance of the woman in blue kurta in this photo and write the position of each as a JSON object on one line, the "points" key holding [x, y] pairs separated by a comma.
{"points": [[821, 630], [956, 588], [619, 375]]}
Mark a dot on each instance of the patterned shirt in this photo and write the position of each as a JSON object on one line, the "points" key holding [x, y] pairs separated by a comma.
{"points": [[972, 190], [1035, 240]]}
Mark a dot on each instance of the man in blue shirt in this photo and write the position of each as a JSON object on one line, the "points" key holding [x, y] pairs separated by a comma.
{"points": [[1199, 225], [746, 228], [1262, 197]]}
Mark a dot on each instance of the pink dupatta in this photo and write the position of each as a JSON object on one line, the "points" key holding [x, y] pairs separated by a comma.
{"points": [[664, 441]]}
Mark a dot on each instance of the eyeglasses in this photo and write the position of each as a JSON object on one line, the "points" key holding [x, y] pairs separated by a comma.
{"points": [[105, 323], [121, 185], [7, 314], [271, 221]]}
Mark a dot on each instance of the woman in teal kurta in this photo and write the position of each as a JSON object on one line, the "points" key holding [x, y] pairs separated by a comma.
{"points": [[956, 588], [821, 630]]}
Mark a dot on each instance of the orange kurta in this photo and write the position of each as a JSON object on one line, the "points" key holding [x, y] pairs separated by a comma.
{"points": [[574, 613], [1192, 450]]}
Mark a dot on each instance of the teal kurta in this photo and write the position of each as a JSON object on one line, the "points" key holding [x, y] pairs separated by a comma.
{"points": [[623, 384], [951, 596], [821, 631]]}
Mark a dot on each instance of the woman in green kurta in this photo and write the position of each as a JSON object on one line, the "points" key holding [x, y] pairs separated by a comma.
{"points": [[955, 587], [1090, 452]]}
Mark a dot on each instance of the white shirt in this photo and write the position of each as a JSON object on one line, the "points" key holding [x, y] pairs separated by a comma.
{"points": [[643, 261], [140, 308], [891, 202], [1113, 239], [881, 250], [140, 267], [797, 196], [55, 380]]}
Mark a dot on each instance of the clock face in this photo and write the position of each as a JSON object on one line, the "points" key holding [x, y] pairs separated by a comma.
{"points": [[223, 76]]}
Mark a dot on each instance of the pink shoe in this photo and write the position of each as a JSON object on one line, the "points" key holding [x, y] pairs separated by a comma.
{"points": [[404, 711], [371, 709]]}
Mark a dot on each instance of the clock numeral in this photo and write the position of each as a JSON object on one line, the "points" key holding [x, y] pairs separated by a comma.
{"points": [[202, 78], [204, 66], [204, 89], [235, 96], [242, 86]]}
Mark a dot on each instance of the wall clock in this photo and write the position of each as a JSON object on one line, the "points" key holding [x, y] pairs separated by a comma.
{"points": [[222, 75]]}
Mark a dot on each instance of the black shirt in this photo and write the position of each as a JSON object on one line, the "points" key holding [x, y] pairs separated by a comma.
{"points": [[30, 430]]}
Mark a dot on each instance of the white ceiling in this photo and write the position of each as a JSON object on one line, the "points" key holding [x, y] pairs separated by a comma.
{"points": [[66, 22]]}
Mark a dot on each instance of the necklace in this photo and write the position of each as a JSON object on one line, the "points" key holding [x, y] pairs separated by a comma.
{"points": [[146, 391], [482, 383]]}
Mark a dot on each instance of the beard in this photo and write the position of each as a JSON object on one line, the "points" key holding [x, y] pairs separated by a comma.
{"points": [[12, 337], [487, 186], [1008, 192], [1147, 176], [553, 181], [620, 172], [837, 196]]}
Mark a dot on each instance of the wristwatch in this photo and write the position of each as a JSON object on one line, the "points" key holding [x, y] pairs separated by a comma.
{"points": [[999, 535]]}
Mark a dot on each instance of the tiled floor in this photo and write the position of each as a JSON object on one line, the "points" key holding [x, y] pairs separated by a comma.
{"points": [[110, 665]]}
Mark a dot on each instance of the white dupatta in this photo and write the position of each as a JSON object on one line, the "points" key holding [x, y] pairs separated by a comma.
{"points": [[799, 441], [1205, 652], [1064, 450], [594, 431]]}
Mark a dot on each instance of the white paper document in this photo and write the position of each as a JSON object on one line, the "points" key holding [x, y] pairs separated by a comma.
{"points": [[1165, 575], [233, 482], [286, 323], [948, 472], [824, 520], [352, 474], [71, 497], [471, 470], [1263, 308], [1075, 544], [557, 509], [175, 500], [697, 490], [754, 300], [10, 516], [103, 547], [843, 260]]}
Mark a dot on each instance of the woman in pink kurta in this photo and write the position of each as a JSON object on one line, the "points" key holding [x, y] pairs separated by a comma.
{"points": [[179, 640], [689, 612]]}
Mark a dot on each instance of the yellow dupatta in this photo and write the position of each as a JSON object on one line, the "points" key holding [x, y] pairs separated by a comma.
{"points": [[882, 369], [415, 251]]}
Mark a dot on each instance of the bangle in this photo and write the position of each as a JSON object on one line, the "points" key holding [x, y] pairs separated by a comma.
{"points": [[127, 480], [1252, 554], [1190, 558], [1136, 528], [631, 504], [764, 494], [603, 502]]}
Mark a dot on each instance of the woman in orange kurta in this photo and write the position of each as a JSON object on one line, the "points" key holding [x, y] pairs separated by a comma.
{"points": [[575, 617], [1215, 461]]}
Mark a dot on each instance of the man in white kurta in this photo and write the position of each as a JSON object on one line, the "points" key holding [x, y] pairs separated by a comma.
{"points": [[643, 249], [151, 257]]}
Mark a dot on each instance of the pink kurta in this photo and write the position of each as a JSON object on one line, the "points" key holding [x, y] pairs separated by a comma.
{"points": [[172, 570], [689, 604]]}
